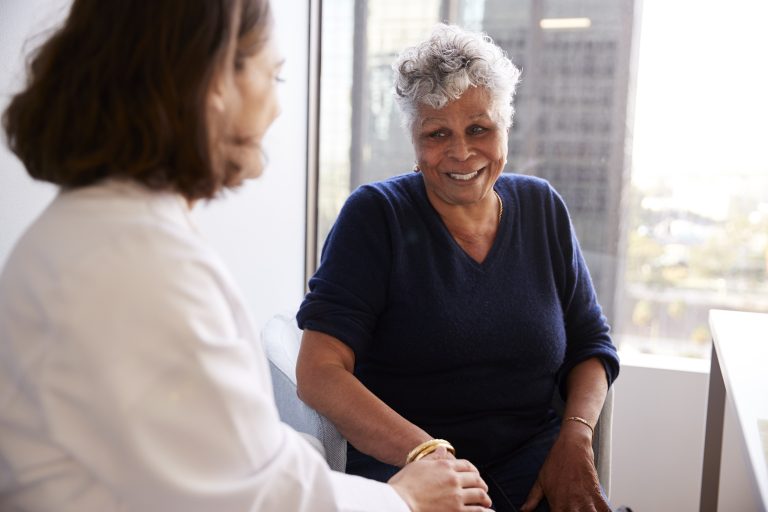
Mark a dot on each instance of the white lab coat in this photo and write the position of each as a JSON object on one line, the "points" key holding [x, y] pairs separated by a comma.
{"points": [[131, 377]]}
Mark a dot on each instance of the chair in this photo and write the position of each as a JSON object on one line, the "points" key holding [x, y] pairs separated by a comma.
{"points": [[601, 443], [282, 337]]}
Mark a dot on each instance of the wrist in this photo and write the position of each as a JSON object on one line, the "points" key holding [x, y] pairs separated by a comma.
{"points": [[402, 491], [577, 430], [427, 447]]}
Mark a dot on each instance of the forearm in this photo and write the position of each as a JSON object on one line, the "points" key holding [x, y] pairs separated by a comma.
{"points": [[587, 387], [568, 477], [362, 418]]}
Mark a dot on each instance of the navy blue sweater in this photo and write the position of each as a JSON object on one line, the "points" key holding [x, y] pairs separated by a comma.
{"points": [[471, 352]]}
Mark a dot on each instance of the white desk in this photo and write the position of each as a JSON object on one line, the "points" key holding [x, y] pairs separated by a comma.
{"points": [[740, 373]]}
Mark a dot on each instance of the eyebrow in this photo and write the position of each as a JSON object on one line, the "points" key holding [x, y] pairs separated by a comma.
{"points": [[474, 117]]}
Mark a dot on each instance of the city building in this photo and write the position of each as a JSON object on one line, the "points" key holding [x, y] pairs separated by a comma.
{"points": [[572, 104]]}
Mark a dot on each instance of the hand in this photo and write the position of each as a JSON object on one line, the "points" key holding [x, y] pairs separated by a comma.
{"points": [[441, 453], [442, 485], [568, 477]]}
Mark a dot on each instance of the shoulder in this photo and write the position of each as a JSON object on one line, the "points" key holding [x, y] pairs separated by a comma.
{"points": [[531, 190], [385, 205], [387, 195], [523, 184], [111, 242], [115, 281], [394, 189]]}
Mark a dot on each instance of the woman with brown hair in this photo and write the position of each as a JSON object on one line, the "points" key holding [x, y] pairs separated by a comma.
{"points": [[131, 377]]}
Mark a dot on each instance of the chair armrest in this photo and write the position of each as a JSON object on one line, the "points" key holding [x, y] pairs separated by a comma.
{"points": [[281, 338], [306, 420]]}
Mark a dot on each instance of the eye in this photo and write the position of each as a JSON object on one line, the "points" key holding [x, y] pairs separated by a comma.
{"points": [[277, 72], [240, 59], [476, 130], [437, 134]]}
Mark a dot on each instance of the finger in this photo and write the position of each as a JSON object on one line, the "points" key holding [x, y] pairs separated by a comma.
{"points": [[464, 465], [475, 497], [602, 505], [534, 497], [599, 500], [470, 480]]}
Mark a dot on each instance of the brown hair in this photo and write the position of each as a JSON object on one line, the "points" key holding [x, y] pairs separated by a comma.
{"points": [[121, 89]]}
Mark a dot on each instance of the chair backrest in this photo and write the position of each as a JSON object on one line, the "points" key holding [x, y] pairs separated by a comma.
{"points": [[601, 443], [281, 338]]}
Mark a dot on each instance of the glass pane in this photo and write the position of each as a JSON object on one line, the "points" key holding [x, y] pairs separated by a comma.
{"points": [[663, 246], [697, 210]]}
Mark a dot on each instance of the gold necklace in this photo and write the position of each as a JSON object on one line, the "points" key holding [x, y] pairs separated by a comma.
{"points": [[501, 205]]}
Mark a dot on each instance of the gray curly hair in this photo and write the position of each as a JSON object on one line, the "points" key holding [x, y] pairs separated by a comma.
{"points": [[444, 66]]}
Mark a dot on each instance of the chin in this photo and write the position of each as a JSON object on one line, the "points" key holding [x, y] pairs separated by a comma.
{"points": [[238, 172], [249, 174], [253, 174]]}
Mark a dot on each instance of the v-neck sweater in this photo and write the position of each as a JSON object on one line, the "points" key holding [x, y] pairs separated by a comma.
{"points": [[470, 352]]}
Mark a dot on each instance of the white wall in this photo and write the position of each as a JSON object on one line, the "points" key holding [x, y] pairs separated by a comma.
{"points": [[259, 229], [658, 434], [660, 410], [21, 199]]}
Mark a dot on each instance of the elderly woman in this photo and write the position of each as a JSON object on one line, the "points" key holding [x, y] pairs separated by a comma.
{"points": [[131, 377], [451, 303]]}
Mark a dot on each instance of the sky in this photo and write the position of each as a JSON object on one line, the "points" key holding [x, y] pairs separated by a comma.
{"points": [[702, 96]]}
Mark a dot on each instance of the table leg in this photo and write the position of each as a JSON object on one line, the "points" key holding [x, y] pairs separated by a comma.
{"points": [[713, 438]]}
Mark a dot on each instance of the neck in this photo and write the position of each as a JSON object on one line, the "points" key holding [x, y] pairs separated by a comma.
{"points": [[474, 226], [474, 218]]}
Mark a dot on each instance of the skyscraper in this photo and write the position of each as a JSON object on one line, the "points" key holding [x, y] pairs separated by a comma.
{"points": [[572, 105], [571, 122], [572, 112]]}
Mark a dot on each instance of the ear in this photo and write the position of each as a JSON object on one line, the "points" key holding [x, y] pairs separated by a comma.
{"points": [[216, 97]]}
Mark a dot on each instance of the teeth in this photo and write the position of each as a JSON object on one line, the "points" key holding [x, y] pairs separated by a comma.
{"points": [[463, 177]]}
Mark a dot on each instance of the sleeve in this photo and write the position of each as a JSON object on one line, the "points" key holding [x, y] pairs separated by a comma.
{"points": [[156, 391], [587, 329], [349, 290]]}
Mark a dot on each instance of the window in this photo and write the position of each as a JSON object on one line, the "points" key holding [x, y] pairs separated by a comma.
{"points": [[657, 157]]}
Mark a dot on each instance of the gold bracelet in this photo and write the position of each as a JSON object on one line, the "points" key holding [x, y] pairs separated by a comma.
{"points": [[428, 447], [426, 451], [583, 421]]}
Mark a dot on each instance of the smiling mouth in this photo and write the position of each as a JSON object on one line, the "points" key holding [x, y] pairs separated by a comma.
{"points": [[465, 176]]}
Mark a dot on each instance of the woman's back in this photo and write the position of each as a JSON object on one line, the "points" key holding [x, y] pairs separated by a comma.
{"points": [[115, 316]]}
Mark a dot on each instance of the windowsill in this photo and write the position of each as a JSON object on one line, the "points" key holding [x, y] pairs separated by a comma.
{"points": [[664, 362]]}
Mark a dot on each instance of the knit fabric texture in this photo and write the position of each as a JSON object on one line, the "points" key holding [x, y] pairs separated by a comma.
{"points": [[471, 352]]}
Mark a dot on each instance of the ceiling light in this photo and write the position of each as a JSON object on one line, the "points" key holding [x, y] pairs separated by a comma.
{"points": [[564, 23]]}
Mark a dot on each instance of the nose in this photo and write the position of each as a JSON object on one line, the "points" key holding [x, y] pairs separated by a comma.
{"points": [[460, 148]]}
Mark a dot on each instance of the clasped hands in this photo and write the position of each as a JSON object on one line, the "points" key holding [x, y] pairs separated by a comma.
{"points": [[438, 482], [568, 479]]}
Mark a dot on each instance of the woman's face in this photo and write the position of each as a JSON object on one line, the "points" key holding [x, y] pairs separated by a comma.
{"points": [[460, 149], [244, 97]]}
